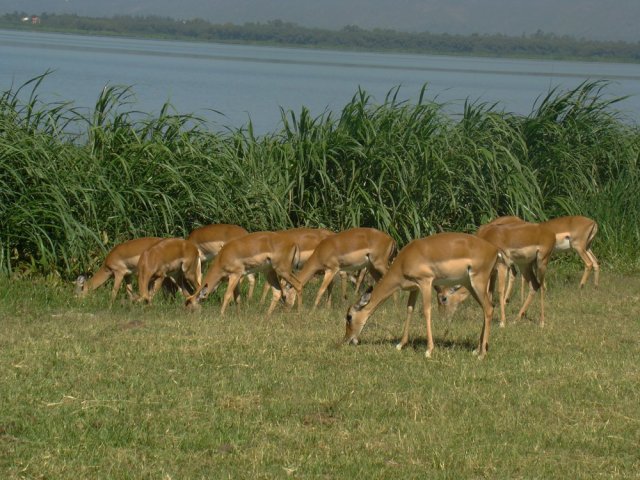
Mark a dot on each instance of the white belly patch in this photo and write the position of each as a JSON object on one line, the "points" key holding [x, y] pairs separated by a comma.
{"points": [[563, 242]]}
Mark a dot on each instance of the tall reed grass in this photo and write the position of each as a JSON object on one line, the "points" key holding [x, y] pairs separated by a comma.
{"points": [[74, 184]]}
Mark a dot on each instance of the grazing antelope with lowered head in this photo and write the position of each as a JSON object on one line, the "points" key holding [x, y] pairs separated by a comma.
{"points": [[172, 257], [120, 263], [353, 249], [443, 259], [268, 252]]}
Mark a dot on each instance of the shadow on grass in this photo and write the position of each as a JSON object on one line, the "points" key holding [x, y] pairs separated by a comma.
{"points": [[420, 344]]}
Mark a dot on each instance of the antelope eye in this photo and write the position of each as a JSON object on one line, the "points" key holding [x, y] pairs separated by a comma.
{"points": [[349, 318]]}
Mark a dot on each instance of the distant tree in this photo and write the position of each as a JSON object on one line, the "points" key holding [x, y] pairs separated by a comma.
{"points": [[279, 32]]}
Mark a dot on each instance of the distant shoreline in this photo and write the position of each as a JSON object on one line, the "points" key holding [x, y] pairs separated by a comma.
{"points": [[540, 46]]}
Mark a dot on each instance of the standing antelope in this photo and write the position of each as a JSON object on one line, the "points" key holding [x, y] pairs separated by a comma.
{"points": [[120, 263], [527, 245], [577, 232], [211, 238], [269, 252], [439, 260], [511, 278], [572, 232], [306, 239], [173, 257], [350, 250]]}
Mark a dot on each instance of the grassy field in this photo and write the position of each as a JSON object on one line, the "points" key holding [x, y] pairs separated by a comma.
{"points": [[132, 391], [127, 391]]}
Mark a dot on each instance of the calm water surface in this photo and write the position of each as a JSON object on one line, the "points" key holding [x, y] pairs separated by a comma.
{"points": [[230, 84]]}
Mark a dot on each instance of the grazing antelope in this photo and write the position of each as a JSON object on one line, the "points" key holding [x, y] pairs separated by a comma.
{"points": [[268, 252], [172, 257], [307, 239], [353, 249], [443, 259], [120, 263], [211, 238]]}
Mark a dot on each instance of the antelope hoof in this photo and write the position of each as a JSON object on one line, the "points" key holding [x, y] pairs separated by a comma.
{"points": [[399, 346], [427, 354]]}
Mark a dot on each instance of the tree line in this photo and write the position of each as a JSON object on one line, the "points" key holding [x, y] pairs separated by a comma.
{"points": [[278, 32]]}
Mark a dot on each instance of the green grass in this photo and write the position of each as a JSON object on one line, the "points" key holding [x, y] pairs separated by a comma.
{"points": [[90, 391]]}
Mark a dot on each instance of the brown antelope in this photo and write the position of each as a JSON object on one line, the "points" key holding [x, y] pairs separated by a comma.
{"points": [[269, 252], [350, 250], [577, 232], [211, 238], [443, 259], [172, 257], [121, 263], [506, 220], [526, 245], [572, 232], [306, 239]]}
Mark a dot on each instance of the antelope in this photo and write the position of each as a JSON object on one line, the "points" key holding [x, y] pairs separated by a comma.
{"points": [[172, 257], [269, 252], [350, 250], [211, 238], [443, 259], [307, 239], [577, 232], [572, 232], [506, 220], [120, 263], [527, 245]]}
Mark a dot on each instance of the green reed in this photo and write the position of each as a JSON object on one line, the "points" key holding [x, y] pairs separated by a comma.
{"points": [[73, 184]]}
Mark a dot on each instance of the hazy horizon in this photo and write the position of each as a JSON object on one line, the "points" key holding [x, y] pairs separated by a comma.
{"points": [[589, 19]]}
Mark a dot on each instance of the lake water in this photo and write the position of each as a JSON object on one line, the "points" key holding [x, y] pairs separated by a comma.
{"points": [[228, 84]]}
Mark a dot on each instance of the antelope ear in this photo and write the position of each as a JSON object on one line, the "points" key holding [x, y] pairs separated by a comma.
{"points": [[364, 299]]}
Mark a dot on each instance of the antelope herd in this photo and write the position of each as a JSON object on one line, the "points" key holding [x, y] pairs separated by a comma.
{"points": [[456, 265]]}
